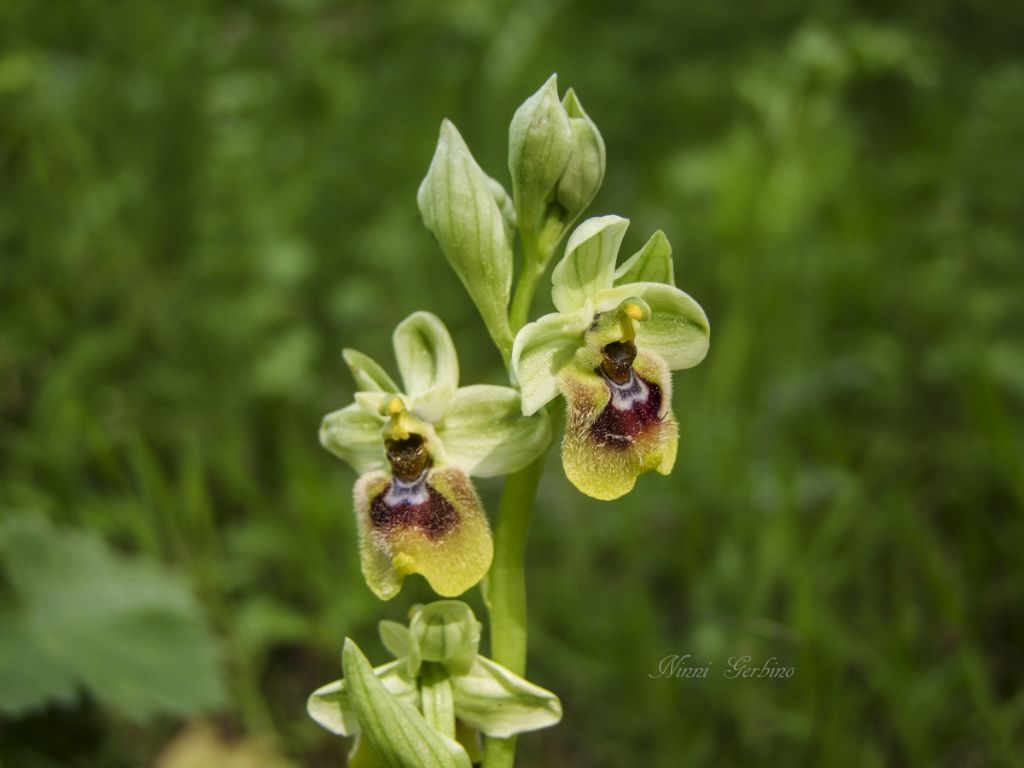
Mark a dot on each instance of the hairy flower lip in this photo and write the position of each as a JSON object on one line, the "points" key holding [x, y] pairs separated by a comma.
{"points": [[413, 504]]}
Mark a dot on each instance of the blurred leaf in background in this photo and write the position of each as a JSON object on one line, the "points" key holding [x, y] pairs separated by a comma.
{"points": [[76, 615]]}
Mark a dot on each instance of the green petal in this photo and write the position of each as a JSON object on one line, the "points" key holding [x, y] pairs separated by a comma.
{"points": [[353, 435], [651, 264], [485, 433], [607, 469], [450, 546], [678, 330], [425, 353], [369, 375], [541, 350], [330, 706], [589, 262], [502, 704], [399, 734]]}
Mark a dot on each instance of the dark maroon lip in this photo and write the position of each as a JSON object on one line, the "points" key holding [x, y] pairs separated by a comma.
{"points": [[615, 428], [416, 504]]}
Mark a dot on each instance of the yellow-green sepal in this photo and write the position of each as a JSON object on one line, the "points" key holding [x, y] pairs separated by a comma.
{"points": [[499, 703], [541, 350], [485, 433], [353, 435]]}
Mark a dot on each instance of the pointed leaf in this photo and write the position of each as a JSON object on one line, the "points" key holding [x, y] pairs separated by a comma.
{"points": [[460, 205], [399, 734]]}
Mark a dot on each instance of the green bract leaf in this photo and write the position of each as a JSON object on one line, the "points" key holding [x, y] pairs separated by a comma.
{"points": [[502, 704], [353, 434], [584, 172], [78, 614], [399, 734], [677, 331], [331, 707], [484, 431], [369, 376], [425, 354], [447, 632], [458, 203], [542, 348], [651, 264], [589, 262], [540, 141]]}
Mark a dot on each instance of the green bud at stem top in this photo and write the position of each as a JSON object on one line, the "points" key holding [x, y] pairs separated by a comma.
{"points": [[557, 161]]}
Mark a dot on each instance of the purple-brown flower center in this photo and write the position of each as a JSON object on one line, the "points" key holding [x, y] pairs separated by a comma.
{"points": [[409, 501], [635, 402]]}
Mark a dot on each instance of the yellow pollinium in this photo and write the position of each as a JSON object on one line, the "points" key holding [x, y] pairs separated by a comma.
{"points": [[628, 314], [400, 423]]}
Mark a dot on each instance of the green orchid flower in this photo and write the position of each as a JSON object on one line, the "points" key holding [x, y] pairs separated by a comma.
{"points": [[416, 509], [608, 350], [438, 688]]}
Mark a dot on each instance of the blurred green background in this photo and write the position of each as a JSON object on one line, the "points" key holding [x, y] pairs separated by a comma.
{"points": [[201, 203]]}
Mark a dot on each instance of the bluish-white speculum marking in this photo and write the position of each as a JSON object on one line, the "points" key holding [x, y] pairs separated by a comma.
{"points": [[632, 392], [412, 493]]}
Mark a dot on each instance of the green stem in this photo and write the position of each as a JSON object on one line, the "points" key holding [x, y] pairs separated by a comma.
{"points": [[506, 589], [526, 285], [506, 584], [538, 248]]}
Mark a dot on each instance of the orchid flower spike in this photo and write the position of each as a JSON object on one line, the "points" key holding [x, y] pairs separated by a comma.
{"points": [[608, 350], [416, 509]]}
